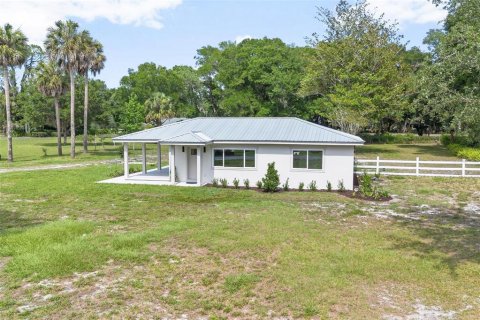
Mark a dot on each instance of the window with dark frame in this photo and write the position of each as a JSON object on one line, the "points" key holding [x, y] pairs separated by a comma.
{"points": [[234, 158], [307, 159]]}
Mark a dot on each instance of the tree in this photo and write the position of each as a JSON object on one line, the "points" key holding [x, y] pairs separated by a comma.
{"points": [[64, 45], [52, 83], [449, 83], [92, 60], [159, 108], [257, 77], [271, 181], [356, 74], [13, 51], [133, 115]]}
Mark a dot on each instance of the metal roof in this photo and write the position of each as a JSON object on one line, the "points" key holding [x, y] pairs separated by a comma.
{"points": [[237, 130]]}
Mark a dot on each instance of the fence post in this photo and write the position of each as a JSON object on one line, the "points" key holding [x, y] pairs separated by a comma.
{"points": [[377, 170], [417, 169], [463, 167]]}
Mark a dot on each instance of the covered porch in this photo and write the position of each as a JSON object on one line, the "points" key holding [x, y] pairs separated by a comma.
{"points": [[183, 165]]}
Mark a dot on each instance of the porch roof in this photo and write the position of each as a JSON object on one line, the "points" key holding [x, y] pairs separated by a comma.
{"points": [[203, 131]]}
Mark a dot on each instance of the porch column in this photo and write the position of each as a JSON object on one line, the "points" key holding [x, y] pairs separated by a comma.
{"points": [[171, 163], [144, 158], [199, 166], [125, 160], [159, 156]]}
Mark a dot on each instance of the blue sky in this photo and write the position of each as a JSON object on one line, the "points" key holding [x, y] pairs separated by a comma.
{"points": [[168, 32]]}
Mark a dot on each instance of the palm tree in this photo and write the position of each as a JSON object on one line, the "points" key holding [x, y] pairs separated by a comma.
{"points": [[92, 60], [159, 108], [52, 83], [13, 52], [64, 45]]}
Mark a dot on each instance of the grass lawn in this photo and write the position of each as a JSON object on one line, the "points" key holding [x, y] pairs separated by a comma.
{"points": [[28, 151], [72, 248], [431, 151]]}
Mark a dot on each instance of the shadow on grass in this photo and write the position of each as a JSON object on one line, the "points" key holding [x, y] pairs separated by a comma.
{"points": [[10, 220], [452, 237], [375, 149], [433, 150]]}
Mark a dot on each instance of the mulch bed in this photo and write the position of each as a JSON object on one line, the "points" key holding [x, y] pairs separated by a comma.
{"points": [[347, 193]]}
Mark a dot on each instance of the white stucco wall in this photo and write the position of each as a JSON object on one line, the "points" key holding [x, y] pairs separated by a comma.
{"points": [[181, 165], [337, 165]]}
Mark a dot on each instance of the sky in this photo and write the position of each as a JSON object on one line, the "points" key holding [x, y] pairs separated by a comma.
{"points": [[168, 32]]}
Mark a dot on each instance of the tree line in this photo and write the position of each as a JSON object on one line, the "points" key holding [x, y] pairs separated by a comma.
{"points": [[359, 76]]}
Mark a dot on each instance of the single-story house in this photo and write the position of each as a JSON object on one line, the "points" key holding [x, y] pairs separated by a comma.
{"points": [[203, 149]]}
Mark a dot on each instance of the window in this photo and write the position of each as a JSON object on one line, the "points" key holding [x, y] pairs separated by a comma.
{"points": [[218, 158], [250, 158], [308, 159], [193, 152], [234, 158]]}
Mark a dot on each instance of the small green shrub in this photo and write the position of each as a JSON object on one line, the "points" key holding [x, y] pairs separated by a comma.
{"points": [[246, 183], [236, 182], [285, 186], [259, 184], [329, 186], [313, 185], [368, 189], [301, 186], [271, 181], [446, 140], [215, 182], [341, 186], [472, 154], [223, 182]]}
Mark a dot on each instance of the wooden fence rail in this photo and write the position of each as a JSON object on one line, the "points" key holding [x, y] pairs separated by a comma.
{"points": [[418, 168]]}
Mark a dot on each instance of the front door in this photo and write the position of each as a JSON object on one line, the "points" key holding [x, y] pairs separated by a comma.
{"points": [[192, 165]]}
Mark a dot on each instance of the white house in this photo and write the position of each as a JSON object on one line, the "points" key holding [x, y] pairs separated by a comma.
{"points": [[202, 149]]}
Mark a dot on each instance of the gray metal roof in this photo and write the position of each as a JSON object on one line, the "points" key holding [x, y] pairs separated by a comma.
{"points": [[257, 130]]}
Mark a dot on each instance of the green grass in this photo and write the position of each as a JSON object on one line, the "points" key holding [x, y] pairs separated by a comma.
{"points": [[405, 152], [228, 253], [28, 151]]}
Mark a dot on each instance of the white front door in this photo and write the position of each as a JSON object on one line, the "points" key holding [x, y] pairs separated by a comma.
{"points": [[192, 164]]}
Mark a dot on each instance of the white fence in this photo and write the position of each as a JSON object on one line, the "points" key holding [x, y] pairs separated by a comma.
{"points": [[419, 168]]}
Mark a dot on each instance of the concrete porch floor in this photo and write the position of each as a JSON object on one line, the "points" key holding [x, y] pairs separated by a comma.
{"points": [[152, 177]]}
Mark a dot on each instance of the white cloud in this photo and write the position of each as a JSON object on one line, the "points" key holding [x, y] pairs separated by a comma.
{"points": [[35, 16], [409, 11], [239, 39]]}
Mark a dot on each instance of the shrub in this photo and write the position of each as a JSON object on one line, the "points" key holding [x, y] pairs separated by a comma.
{"points": [[313, 185], [301, 185], [285, 186], [44, 150], [446, 140], [341, 186], [472, 154], [469, 154], [223, 182], [271, 181], [369, 189], [329, 186], [236, 182], [399, 138], [246, 183], [259, 184], [215, 182], [39, 134]]}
